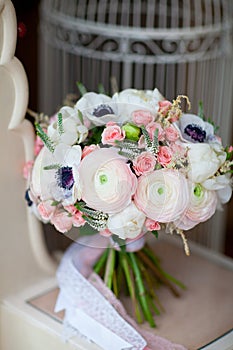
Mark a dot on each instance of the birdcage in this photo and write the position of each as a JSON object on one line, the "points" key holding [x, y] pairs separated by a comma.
{"points": [[178, 46]]}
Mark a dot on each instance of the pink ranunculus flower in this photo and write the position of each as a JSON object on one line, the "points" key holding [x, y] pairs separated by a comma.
{"points": [[164, 155], [88, 149], [171, 133], [151, 127], [152, 225], [201, 207], [46, 210], [162, 195], [144, 163], [62, 221], [106, 181], [142, 117], [112, 133], [27, 169], [164, 107]]}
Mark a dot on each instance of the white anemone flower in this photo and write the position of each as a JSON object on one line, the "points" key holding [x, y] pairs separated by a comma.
{"points": [[73, 129], [194, 129], [54, 174], [99, 109]]}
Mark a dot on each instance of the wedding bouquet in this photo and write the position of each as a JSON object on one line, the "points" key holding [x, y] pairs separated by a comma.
{"points": [[127, 165]]}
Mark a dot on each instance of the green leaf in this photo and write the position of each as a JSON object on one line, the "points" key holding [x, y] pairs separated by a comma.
{"points": [[60, 124], [44, 137], [119, 241], [95, 136], [155, 233], [52, 167], [101, 89], [80, 117], [201, 110], [81, 88], [55, 203]]}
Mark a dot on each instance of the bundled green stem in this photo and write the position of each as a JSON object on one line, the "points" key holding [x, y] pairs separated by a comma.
{"points": [[140, 273]]}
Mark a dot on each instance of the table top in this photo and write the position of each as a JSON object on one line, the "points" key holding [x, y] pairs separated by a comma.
{"points": [[204, 311]]}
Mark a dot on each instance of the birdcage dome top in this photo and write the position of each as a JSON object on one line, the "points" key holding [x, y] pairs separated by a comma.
{"points": [[154, 14], [144, 30]]}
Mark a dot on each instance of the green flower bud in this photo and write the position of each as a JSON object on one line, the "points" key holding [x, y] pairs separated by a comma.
{"points": [[132, 132]]}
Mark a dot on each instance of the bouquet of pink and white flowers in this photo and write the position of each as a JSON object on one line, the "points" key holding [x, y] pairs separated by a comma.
{"points": [[127, 165]]}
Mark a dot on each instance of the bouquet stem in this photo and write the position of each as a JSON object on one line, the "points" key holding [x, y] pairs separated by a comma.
{"points": [[141, 273]]}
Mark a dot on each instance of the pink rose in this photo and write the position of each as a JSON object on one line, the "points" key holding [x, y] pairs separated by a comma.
{"points": [[164, 155], [171, 133], [141, 117], [27, 169], [38, 145], [105, 233], [112, 133], [46, 210], [62, 221], [152, 225], [144, 163], [230, 149], [151, 127], [164, 107], [71, 209], [88, 149], [78, 219]]}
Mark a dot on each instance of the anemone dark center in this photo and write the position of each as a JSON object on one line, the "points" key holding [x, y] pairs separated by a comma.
{"points": [[65, 177], [195, 132], [102, 110]]}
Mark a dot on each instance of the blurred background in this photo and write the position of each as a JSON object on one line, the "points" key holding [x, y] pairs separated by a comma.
{"points": [[180, 47]]}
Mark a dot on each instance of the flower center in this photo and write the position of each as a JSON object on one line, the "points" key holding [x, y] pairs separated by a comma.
{"points": [[65, 178], [195, 132], [198, 191], [103, 179], [160, 190], [102, 110]]}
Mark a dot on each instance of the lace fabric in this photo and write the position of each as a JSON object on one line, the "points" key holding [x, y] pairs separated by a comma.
{"points": [[94, 299]]}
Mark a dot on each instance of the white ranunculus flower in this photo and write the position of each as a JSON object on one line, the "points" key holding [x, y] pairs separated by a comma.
{"points": [[205, 160], [128, 223], [73, 130], [162, 195], [58, 184], [99, 109], [131, 100]]}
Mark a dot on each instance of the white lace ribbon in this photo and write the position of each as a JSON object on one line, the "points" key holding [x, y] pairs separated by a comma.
{"points": [[83, 302], [92, 310]]}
